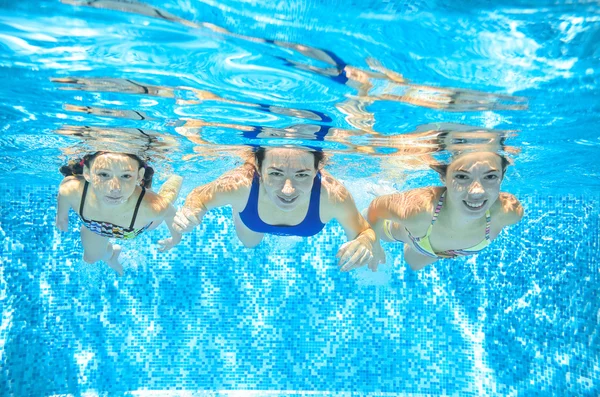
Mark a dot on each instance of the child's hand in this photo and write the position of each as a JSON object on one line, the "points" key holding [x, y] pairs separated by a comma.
{"points": [[62, 224], [167, 244], [171, 242], [378, 256]]}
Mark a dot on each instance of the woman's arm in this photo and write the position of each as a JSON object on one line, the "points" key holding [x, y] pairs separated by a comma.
{"points": [[229, 189], [363, 247]]}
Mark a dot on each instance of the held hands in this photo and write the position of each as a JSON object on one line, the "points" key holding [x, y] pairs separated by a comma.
{"points": [[185, 220], [359, 252]]}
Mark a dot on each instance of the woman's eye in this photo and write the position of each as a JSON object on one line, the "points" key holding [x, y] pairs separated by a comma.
{"points": [[491, 177], [302, 175], [461, 177], [103, 174], [274, 173], [127, 176]]}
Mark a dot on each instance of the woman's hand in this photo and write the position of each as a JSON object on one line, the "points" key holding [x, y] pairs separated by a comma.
{"points": [[355, 253], [185, 220]]}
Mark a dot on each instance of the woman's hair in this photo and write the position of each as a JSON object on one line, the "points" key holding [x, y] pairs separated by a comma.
{"points": [[259, 156], [75, 167]]}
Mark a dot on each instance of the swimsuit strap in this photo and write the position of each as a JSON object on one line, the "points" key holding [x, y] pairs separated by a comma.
{"points": [[137, 207], [438, 208], [315, 199], [488, 224], [85, 187]]}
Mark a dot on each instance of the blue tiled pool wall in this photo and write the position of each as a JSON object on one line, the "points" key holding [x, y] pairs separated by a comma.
{"points": [[519, 319]]}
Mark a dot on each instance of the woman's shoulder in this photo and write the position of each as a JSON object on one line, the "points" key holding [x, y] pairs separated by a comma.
{"points": [[237, 178], [332, 189]]}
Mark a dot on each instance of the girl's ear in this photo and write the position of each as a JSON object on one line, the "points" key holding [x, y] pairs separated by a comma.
{"points": [[441, 169], [141, 173], [86, 173]]}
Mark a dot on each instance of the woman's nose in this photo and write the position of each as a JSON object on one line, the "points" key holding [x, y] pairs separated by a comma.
{"points": [[288, 188]]}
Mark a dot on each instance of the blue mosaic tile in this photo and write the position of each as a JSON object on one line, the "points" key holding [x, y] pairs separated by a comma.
{"points": [[213, 318]]}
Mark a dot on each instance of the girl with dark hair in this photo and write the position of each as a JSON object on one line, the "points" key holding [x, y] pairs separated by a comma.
{"points": [[284, 191], [458, 219], [111, 194]]}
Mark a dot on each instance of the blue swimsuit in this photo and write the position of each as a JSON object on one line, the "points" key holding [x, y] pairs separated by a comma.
{"points": [[310, 226]]}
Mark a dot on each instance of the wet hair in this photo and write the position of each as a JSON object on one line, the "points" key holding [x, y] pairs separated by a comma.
{"points": [[442, 169], [75, 167], [259, 156]]}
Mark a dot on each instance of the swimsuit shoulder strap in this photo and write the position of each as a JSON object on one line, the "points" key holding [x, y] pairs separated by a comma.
{"points": [[488, 224], [438, 208], [83, 195], [252, 203], [315, 200], [137, 207]]}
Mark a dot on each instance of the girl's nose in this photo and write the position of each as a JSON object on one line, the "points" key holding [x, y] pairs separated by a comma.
{"points": [[114, 184], [476, 188]]}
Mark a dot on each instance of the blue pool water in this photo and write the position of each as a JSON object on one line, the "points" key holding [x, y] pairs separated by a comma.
{"points": [[213, 318]]}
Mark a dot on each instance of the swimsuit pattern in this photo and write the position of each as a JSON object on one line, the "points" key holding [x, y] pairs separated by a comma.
{"points": [[110, 230]]}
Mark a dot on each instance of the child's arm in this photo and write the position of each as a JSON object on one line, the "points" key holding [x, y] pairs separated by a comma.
{"points": [[66, 191], [170, 189], [175, 238]]}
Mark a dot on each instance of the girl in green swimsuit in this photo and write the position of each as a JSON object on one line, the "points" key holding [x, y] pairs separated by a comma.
{"points": [[458, 219]]}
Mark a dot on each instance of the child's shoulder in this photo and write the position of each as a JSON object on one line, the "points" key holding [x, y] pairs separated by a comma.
{"points": [[154, 205], [508, 208], [419, 204], [71, 186]]}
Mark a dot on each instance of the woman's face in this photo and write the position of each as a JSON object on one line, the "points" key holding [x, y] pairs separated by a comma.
{"points": [[473, 182], [113, 177], [288, 176]]}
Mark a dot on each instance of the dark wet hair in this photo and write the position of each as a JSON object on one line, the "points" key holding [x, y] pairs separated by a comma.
{"points": [[75, 167], [441, 140], [442, 169], [259, 155]]}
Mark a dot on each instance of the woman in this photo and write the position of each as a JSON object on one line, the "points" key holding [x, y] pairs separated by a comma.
{"points": [[284, 191], [110, 193], [458, 219]]}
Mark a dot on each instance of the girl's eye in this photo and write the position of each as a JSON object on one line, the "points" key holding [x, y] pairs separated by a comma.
{"points": [[491, 177], [103, 174], [275, 173], [461, 177], [301, 175]]}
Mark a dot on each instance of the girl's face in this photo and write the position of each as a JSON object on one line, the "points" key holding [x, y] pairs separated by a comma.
{"points": [[113, 177], [473, 182], [288, 176]]}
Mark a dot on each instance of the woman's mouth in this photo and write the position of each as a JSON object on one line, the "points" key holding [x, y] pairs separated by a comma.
{"points": [[287, 200], [475, 205]]}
